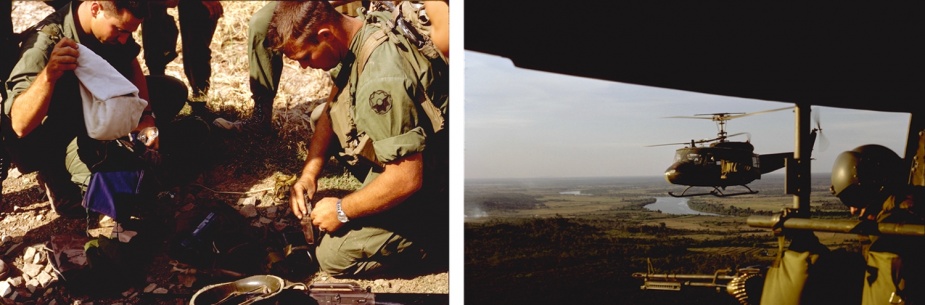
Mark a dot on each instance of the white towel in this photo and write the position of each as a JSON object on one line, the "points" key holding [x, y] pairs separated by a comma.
{"points": [[111, 104]]}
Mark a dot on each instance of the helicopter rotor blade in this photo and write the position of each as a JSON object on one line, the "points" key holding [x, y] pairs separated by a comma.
{"points": [[688, 117], [757, 112], [816, 111], [701, 141], [669, 144], [718, 114], [748, 136], [725, 116], [823, 141]]}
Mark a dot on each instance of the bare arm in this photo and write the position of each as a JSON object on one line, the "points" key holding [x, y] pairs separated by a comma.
{"points": [[138, 79], [399, 180], [31, 107], [305, 187]]}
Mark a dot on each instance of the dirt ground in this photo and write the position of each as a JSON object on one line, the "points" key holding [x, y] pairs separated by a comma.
{"points": [[28, 221], [250, 174]]}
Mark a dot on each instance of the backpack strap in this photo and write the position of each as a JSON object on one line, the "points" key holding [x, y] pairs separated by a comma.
{"points": [[375, 39]]}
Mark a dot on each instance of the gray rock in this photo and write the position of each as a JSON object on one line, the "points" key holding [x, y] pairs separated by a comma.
{"points": [[249, 210], [5, 289], [31, 270]]}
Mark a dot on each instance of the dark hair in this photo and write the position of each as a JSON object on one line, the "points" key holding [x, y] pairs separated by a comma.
{"points": [[298, 21], [138, 8]]}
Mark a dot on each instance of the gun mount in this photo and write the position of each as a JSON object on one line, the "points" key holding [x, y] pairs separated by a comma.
{"points": [[837, 226], [736, 283]]}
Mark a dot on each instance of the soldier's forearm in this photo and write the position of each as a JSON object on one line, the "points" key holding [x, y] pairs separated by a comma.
{"points": [[398, 181], [31, 107], [318, 146]]}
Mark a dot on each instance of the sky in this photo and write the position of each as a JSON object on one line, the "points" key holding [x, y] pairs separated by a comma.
{"points": [[522, 123]]}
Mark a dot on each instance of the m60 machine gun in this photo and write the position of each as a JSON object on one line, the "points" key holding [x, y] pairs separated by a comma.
{"points": [[271, 289], [744, 284]]}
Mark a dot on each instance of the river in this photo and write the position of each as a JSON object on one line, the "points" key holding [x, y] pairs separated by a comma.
{"points": [[674, 205]]}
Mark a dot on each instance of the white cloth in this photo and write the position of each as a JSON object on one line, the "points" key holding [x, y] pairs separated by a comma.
{"points": [[111, 104]]}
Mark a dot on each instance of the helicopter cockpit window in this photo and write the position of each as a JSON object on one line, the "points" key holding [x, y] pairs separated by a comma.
{"points": [[693, 157], [711, 159]]}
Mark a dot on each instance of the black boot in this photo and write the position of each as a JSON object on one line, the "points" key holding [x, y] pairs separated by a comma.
{"points": [[199, 109], [261, 119], [65, 196], [198, 106]]}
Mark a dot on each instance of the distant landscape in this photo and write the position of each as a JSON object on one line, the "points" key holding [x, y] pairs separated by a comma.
{"points": [[578, 240]]}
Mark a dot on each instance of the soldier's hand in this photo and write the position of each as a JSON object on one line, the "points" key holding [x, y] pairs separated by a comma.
{"points": [[152, 140], [63, 58], [302, 190], [324, 215]]}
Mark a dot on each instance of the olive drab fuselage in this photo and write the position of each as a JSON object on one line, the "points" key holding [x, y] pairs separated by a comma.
{"points": [[721, 164]]}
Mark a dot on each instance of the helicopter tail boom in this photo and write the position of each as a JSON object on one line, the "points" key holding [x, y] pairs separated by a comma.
{"points": [[772, 162]]}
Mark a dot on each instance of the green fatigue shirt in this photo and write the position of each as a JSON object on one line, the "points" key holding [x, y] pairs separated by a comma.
{"points": [[64, 120], [385, 101]]}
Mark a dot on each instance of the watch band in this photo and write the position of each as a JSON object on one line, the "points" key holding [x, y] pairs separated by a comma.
{"points": [[340, 213]]}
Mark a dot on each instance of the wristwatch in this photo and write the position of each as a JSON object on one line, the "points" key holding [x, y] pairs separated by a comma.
{"points": [[340, 213]]}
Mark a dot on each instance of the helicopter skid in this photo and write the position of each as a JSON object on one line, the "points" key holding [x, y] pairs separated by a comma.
{"points": [[715, 192]]}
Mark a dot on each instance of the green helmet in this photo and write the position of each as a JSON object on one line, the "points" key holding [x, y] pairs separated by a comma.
{"points": [[865, 175]]}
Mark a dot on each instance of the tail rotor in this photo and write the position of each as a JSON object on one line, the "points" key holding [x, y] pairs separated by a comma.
{"points": [[817, 131]]}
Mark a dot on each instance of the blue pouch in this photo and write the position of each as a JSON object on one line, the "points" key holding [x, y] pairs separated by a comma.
{"points": [[109, 190]]}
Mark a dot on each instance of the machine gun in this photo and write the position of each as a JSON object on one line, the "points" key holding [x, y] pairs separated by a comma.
{"points": [[744, 284], [341, 293], [271, 289]]}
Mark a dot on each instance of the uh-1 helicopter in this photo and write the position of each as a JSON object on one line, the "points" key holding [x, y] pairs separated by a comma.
{"points": [[719, 162]]}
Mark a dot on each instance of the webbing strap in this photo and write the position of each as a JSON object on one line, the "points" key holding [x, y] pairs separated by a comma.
{"points": [[373, 41]]}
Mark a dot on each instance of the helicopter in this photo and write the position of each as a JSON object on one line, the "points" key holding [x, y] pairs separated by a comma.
{"points": [[718, 163]]}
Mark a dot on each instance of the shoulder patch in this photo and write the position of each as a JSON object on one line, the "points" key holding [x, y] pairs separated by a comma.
{"points": [[380, 101]]}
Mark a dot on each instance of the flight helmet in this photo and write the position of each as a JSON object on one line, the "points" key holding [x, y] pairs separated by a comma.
{"points": [[866, 175]]}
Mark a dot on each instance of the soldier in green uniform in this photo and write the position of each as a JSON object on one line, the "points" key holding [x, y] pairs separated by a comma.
{"points": [[43, 125], [388, 117], [871, 181], [266, 67], [198, 21]]}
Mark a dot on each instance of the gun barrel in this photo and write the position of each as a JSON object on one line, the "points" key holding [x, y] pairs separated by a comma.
{"points": [[839, 226], [668, 277], [703, 284]]}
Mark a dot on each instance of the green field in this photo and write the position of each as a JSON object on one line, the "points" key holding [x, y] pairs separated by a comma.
{"points": [[554, 241]]}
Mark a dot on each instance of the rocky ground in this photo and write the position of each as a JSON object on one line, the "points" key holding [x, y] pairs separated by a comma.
{"points": [[249, 173], [31, 230]]}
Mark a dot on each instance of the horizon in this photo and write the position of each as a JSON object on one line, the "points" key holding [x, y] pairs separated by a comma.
{"points": [[769, 175], [526, 123]]}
